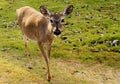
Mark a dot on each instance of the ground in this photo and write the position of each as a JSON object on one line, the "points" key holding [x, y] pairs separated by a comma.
{"points": [[82, 54]]}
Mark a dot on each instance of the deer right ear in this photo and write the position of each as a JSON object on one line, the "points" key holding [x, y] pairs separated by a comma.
{"points": [[44, 11]]}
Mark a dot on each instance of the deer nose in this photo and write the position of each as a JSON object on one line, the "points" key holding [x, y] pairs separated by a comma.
{"points": [[57, 32]]}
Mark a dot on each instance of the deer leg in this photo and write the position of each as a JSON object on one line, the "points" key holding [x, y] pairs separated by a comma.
{"points": [[49, 50], [27, 54], [41, 46]]}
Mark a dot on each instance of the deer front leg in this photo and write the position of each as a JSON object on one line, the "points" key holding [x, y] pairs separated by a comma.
{"points": [[49, 50], [41, 46], [27, 54]]}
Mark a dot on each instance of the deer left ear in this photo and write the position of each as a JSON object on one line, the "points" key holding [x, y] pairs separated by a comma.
{"points": [[68, 10], [45, 11]]}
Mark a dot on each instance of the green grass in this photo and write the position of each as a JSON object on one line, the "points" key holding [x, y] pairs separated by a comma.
{"points": [[9, 74], [90, 19]]}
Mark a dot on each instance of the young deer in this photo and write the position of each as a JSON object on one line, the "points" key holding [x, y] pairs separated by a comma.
{"points": [[42, 28]]}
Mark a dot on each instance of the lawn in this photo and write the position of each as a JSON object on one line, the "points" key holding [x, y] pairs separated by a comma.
{"points": [[82, 54]]}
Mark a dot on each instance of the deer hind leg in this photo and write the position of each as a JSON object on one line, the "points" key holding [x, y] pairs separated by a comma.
{"points": [[28, 55], [27, 51], [41, 46]]}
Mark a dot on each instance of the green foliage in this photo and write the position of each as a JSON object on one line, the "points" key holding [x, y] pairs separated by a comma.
{"points": [[92, 23]]}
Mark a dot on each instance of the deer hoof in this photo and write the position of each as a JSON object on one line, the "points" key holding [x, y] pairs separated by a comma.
{"points": [[49, 78], [29, 67]]}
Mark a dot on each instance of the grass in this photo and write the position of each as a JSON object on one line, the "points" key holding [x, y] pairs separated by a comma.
{"points": [[83, 56], [12, 76]]}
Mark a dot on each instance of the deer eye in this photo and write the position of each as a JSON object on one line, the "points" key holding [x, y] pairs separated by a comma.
{"points": [[52, 21], [62, 21]]}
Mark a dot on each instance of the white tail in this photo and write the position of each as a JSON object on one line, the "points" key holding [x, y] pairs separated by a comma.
{"points": [[41, 27]]}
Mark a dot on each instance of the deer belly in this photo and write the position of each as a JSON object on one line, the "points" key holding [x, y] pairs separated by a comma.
{"points": [[29, 36], [29, 32]]}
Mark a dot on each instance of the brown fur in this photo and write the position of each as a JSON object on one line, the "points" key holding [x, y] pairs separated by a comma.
{"points": [[34, 25]]}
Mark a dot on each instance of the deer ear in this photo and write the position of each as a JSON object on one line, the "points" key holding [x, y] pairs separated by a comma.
{"points": [[68, 10], [44, 11]]}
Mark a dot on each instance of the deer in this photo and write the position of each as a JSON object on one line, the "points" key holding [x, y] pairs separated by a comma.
{"points": [[41, 27]]}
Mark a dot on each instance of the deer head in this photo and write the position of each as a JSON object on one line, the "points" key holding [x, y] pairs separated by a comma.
{"points": [[56, 19]]}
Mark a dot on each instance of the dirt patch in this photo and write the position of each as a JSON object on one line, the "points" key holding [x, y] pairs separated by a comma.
{"points": [[96, 74]]}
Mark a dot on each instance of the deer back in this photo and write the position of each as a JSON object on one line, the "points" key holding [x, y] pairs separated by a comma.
{"points": [[34, 25]]}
